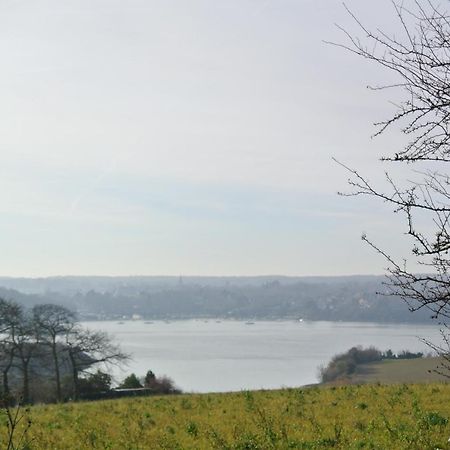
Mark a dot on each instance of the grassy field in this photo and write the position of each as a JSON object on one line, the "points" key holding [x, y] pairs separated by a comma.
{"points": [[347, 417], [418, 370]]}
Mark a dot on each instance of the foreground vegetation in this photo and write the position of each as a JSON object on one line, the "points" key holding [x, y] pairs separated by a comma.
{"points": [[347, 417]]}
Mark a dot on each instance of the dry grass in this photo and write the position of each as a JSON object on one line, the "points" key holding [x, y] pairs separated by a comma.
{"points": [[348, 417]]}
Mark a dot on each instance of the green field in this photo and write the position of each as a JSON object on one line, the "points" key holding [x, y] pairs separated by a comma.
{"points": [[347, 417], [418, 370]]}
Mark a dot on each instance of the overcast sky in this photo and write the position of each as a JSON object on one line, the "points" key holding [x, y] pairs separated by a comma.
{"points": [[187, 137]]}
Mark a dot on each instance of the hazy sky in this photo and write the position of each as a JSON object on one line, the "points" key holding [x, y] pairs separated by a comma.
{"points": [[187, 137]]}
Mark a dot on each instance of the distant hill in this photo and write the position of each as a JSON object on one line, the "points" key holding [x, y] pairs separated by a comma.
{"points": [[348, 298]]}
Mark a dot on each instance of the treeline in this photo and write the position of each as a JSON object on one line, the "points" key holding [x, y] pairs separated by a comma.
{"points": [[44, 352], [346, 299], [345, 364]]}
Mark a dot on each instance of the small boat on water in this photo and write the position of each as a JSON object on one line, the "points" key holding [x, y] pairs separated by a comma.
{"points": [[148, 322], [249, 323]]}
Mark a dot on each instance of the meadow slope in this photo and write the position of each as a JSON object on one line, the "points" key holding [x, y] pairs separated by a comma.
{"points": [[347, 417], [417, 370]]}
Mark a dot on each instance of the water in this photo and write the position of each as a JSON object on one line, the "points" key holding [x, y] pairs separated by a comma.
{"points": [[213, 356]]}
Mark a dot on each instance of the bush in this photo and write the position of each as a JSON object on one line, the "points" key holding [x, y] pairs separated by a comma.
{"points": [[163, 385], [131, 382], [155, 385], [95, 384], [405, 354], [345, 364]]}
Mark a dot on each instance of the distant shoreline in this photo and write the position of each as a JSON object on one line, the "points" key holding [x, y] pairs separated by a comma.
{"points": [[320, 298]]}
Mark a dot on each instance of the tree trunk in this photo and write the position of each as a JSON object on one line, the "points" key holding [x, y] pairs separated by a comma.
{"points": [[5, 371], [26, 382], [57, 374], [5, 382], [74, 377]]}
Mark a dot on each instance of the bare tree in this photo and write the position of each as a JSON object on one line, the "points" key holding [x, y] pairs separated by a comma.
{"points": [[86, 348], [11, 315], [27, 345], [18, 345], [26, 337], [418, 56], [53, 322]]}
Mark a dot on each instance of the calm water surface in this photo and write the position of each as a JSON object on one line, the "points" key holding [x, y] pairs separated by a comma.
{"points": [[210, 356]]}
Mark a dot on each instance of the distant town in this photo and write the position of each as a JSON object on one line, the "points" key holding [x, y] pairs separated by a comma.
{"points": [[348, 298]]}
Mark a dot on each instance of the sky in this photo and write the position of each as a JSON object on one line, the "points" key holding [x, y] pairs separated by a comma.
{"points": [[153, 137]]}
